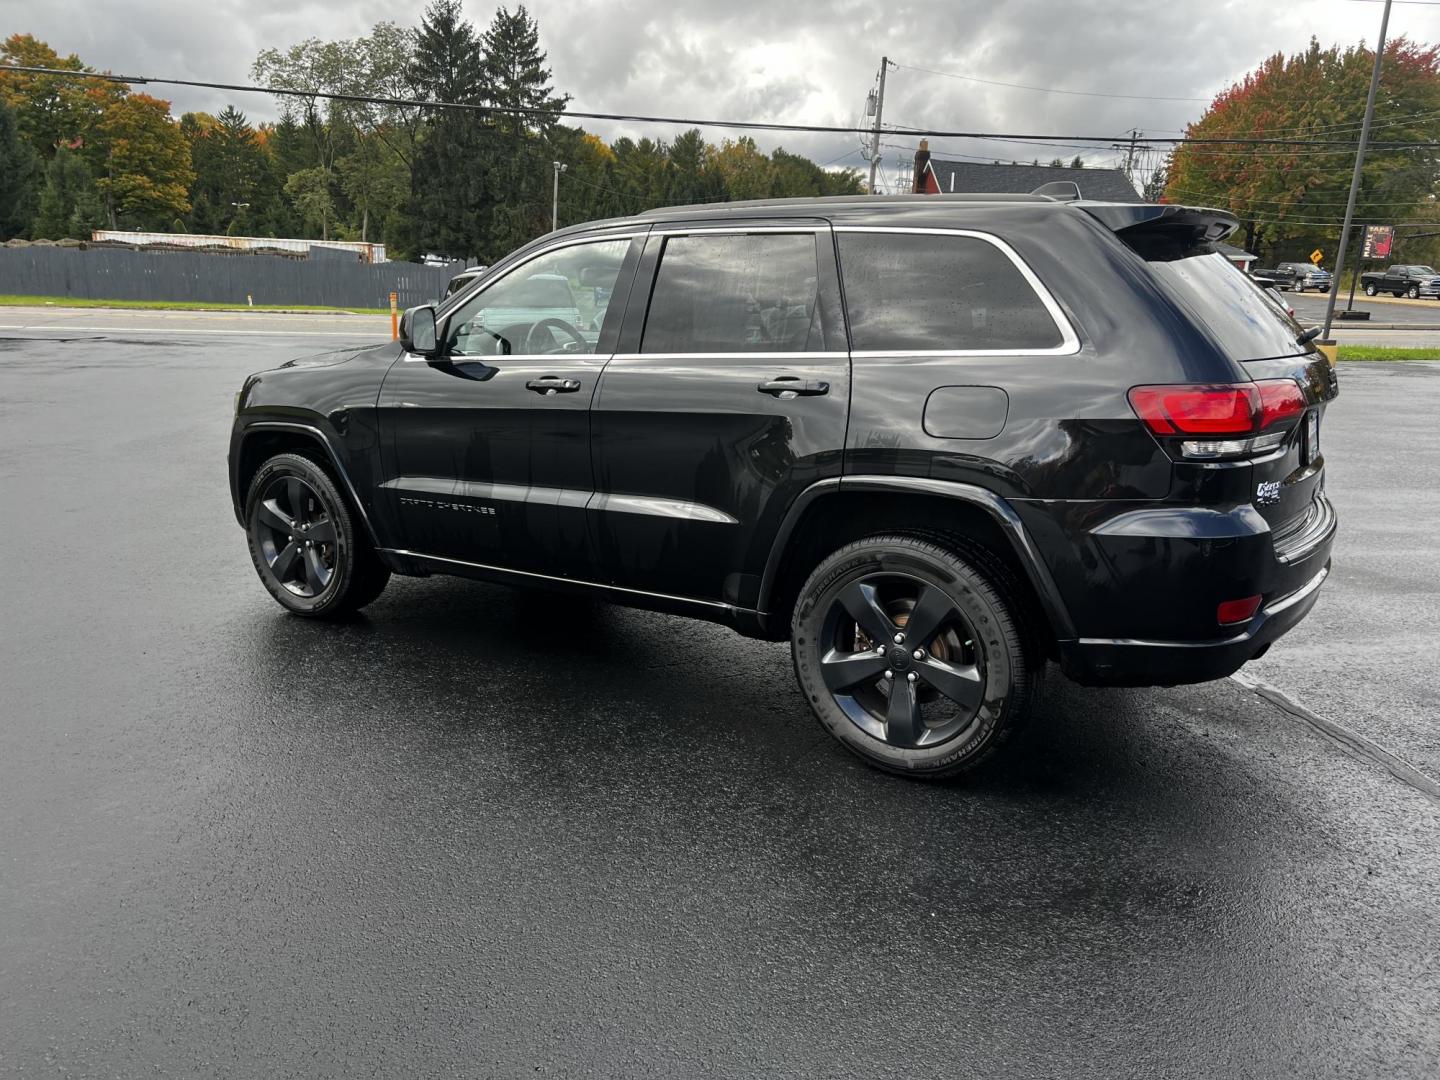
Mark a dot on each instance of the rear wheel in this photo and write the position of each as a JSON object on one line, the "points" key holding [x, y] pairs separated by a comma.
{"points": [[304, 541], [1370, 290], [915, 659]]}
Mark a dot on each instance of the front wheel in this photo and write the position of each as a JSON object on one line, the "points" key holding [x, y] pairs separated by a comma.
{"points": [[917, 660], [305, 543], [1413, 292], [1299, 288]]}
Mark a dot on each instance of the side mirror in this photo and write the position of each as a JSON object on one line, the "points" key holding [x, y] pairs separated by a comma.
{"points": [[418, 334], [592, 277], [1262, 282]]}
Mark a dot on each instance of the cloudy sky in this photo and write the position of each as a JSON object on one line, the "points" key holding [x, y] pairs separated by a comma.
{"points": [[795, 62]]}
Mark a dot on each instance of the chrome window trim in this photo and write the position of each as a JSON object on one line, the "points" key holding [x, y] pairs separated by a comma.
{"points": [[811, 227], [568, 581], [462, 298], [1069, 339], [771, 354]]}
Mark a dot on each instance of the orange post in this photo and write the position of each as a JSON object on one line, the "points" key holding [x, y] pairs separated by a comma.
{"points": [[394, 317]]}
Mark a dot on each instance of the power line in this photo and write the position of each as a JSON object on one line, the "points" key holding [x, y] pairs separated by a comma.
{"points": [[637, 118], [1046, 89]]}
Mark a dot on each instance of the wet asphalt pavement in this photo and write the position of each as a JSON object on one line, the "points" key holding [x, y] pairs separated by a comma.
{"points": [[488, 833]]}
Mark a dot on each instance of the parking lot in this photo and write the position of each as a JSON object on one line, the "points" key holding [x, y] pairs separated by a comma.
{"points": [[483, 832]]}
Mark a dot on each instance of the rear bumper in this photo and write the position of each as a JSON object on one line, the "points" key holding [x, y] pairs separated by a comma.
{"points": [[1136, 662]]}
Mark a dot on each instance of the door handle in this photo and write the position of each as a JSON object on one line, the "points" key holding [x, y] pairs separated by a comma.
{"points": [[794, 386], [553, 384]]}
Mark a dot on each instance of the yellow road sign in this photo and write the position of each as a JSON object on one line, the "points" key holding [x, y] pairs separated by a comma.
{"points": [[1317, 256]]}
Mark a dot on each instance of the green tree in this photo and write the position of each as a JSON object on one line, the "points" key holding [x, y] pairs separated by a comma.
{"points": [[373, 179], [516, 78], [231, 170], [18, 183], [70, 204], [143, 163], [448, 210], [309, 190]]}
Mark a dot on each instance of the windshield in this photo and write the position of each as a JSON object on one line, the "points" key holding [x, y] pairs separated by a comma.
{"points": [[1234, 309], [1423, 269]]}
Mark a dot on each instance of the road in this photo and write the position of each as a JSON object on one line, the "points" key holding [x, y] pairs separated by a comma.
{"points": [[491, 833], [1422, 317]]}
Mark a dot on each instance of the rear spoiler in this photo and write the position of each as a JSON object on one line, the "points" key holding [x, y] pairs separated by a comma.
{"points": [[1194, 223]]}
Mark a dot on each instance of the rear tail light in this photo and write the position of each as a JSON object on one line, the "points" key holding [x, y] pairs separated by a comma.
{"points": [[1237, 611], [1231, 417]]}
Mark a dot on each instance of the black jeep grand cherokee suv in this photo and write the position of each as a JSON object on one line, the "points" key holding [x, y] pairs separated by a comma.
{"points": [[934, 441]]}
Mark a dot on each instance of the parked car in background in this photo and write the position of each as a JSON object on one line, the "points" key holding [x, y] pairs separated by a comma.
{"points": [[1273, 295], [462, 279], [1409, 280], [932, 442], [1307, 276], [1281, 279]]}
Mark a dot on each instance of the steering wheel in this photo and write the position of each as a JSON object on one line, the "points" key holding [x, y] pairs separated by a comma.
{"points": [[529, 344]]}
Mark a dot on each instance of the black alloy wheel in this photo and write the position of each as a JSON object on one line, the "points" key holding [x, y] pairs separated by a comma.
{"points": [[916, 659], [900, 659], [296, 536], [305, 543]]}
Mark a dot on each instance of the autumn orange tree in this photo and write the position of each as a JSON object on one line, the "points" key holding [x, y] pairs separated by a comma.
{"points": [[144, 172], [52, 110], [1290, 198]]}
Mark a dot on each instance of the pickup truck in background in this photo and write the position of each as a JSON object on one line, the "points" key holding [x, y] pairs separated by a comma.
{"points": [[1307, 276], [1412, 281], [1279, 278]]}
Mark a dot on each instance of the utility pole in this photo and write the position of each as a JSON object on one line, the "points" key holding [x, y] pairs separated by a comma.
{"points": [[1355, 177], [555, 196], [879, 113], [1130, 157]]}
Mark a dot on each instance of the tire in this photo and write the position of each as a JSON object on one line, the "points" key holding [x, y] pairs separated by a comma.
{"points": [[333, 574], [1297, 288], [1370, 290], [1413, 292], [978, 646]]}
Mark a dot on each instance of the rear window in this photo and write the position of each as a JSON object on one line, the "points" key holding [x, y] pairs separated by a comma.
{"points": [[542, 292], [917, 292], [1232, 308]]}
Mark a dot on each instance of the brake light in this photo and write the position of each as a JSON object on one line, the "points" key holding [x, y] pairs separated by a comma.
{"points": [[1214, 411], [1197, 410], [1280, 399]]}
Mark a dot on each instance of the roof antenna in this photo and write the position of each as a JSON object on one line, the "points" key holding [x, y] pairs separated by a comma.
{"points": [[1059, 190]]}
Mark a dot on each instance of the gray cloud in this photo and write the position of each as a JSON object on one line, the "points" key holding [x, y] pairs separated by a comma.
{"points": [[791, 62]]}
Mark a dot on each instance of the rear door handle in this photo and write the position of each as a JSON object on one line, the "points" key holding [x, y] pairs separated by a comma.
{"points": [[794, 386], [553, 384]]}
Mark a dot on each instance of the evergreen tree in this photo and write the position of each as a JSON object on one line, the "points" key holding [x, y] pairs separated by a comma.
{"points": [[448, 209], [516, 78], [69, 203], [18, 178]]}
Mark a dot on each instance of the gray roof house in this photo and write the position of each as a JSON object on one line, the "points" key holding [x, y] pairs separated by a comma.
{"points": [[933, 176]]}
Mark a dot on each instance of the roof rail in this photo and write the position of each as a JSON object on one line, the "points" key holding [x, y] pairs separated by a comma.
{"points": [[1060, 190]]}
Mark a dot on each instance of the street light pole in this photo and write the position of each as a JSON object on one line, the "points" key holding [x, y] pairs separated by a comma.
{"points": [[555, 196], [1355, 176]]}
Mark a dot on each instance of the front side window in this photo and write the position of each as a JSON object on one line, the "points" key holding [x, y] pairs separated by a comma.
{"points": [[555, 303], [918, 292], [735, 292]]}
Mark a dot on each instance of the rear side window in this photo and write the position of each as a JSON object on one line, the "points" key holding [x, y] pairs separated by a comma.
{"points": [[917, 292], [1233, 308], [735, 292]]}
